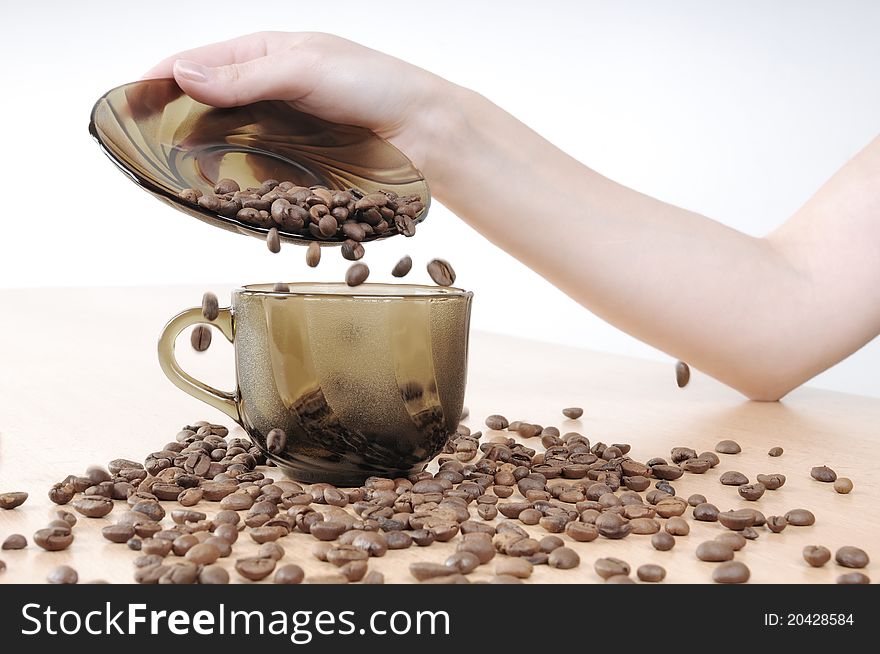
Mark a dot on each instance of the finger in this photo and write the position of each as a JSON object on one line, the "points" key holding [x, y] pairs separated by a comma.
{"points": [[237, 50], [274, 77]]}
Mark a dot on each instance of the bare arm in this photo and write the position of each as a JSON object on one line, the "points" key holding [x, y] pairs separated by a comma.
{"points": [[760, 314]]}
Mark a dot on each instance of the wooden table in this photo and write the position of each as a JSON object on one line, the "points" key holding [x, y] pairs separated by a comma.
{"points": [[80, 384]]}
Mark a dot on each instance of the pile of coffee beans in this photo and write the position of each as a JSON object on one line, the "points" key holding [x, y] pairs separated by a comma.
{"points": [[316, 211], [489, 494]]}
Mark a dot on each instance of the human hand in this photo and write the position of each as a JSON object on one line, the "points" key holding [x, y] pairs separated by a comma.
{"points": [[320, 74]]}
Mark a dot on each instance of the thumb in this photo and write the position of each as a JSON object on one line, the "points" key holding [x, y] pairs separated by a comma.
{"points": [[263, 78]]}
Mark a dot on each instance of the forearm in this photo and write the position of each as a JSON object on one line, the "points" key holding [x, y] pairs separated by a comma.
{"points": [[730, 304]]}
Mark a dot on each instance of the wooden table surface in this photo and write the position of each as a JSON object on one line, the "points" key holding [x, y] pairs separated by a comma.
{"points": [[80, 384]]}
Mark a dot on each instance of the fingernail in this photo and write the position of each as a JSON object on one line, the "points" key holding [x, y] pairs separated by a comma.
{"points": [[191, 70]]}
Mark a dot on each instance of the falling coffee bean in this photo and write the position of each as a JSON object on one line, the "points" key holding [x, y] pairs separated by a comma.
{"points": [[273, 241], [402, 268], [352, 250], [441, 272], [573, 413], [682, 374], [313, 255], [357, 274], [497, 422], [210, 306], [200, 339], [276, 440]]}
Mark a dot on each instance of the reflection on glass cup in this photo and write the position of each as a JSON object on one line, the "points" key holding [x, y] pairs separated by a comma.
{"points": [[364, 381]]}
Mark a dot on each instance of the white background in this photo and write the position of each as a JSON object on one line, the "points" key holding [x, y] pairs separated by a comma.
{"points": [[738, 110]]}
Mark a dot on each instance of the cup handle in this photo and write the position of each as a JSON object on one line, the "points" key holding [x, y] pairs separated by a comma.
{"points": [[225, 402]]}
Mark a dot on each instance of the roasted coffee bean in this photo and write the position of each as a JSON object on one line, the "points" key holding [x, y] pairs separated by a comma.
{"points": [[728, 447], [93, 506], [751, 492], [276, 441], [706, 512], [289, 574], [696, 499], [713, 550], [611, 525], [226, 185], [200, 338], [682, 374], [12, 500], [853, 578], [563, 558], [581, 532], [662, 541], [737, 520], [352, 250], [214, 575], [62, 493], [180, 574], [816, 555], [271, 551], [190, 497], [644, 526], [328, 530], [373, 577], [423, 570], [843, 485], [479, 544], [53, 539], [183, 544], [573, 413], [152, 510], [731, 572], [519, 568], [666, 472], [150, 574], [651, 573], [497, 422], [399, 540], [609, 566], [800, 518], [401, 269], [677, 526], [823, 473], [776, 523], [63, 574], [14, 542], [255, 568], [158, 546], [210, 311], [772, 482], [203, 554], [357, 274], [775, 451], [313, 255], [441, 272], [118, 533], [851, 557], [682, 454], [733, 478], [463, 561], [191, 195]]}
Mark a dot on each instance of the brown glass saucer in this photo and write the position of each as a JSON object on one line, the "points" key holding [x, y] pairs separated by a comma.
{"points": [[165, 142]]}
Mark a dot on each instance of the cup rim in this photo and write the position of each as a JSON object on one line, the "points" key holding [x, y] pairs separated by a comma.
{"points": [[353, 292]]}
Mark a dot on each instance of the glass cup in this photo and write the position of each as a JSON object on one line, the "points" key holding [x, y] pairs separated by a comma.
{"points": [[363, 381]]}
